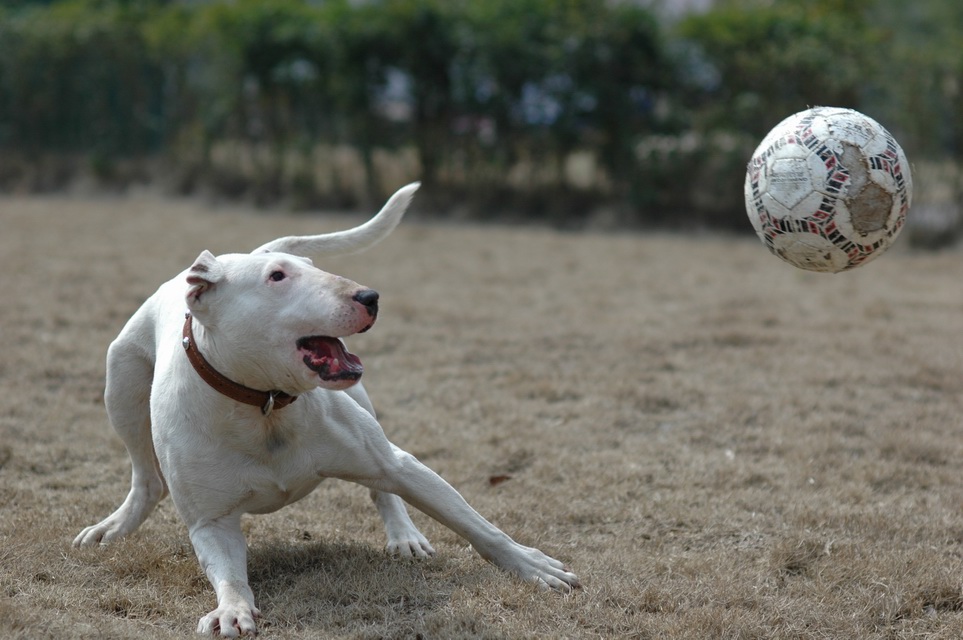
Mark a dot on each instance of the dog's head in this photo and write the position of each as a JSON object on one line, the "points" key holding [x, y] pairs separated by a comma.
{"points": [[274, 321]]}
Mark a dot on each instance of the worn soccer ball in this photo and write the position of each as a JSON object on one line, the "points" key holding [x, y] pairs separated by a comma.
{"points": [[828, 189]]}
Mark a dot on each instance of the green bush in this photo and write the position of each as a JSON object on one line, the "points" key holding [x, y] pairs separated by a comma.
{"points": [[777, 58], [474, 88], [77, 77], [551, 108]]}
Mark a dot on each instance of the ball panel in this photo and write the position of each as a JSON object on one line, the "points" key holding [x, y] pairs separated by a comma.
{"points": [[869, 204], [789, 182], [809, 251], [845, 126]]}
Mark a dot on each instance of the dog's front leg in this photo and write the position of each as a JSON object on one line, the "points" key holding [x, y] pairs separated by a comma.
{"points": [[222, 552], [428, 492]]}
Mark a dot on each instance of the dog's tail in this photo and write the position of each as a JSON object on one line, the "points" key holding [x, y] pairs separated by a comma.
{"points": [[350, 240]]}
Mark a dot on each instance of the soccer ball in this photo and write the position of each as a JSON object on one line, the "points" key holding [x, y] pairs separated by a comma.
{"points": [[828, 189]]}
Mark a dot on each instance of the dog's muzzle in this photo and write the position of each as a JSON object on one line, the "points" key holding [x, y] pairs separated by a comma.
{"points": [[368, 298]]}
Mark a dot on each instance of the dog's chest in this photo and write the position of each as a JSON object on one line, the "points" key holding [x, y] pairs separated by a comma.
{"points": [[277, 481], [276, 469], [271, 494]]}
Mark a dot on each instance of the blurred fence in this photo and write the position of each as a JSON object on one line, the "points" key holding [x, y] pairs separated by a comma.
{"points": [[559, 110]]}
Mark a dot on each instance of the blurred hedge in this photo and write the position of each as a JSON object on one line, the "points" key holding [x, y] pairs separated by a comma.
{"points": [[559, 109]]}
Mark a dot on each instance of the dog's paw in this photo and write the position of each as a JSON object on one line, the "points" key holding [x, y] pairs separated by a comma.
{"points": [[100, 533], [142, 499], [534, 566], [229, 621], [410, 545]]}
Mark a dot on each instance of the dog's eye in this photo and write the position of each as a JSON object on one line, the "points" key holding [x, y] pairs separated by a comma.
{"points": [[277, 276]]}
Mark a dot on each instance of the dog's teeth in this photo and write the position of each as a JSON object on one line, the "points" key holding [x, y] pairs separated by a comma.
{"points": [[335, 363]]}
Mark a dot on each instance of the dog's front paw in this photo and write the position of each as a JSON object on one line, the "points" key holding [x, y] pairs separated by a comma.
{"points": [[230, 621], [534, 566]]}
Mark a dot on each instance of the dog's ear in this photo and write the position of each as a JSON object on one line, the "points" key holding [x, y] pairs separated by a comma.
{"points": [[203, 274]]}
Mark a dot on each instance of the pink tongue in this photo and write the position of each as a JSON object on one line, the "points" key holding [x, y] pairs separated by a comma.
{"points": [[329, 359]]}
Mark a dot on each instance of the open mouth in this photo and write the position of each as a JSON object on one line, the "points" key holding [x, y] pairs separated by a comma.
{"points": [[329, 359]]}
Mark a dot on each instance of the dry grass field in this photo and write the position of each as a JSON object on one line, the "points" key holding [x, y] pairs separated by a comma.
{"points": [[720, 445]]}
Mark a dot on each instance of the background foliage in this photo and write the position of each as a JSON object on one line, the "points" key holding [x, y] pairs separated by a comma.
{"points": [[559, 109]]}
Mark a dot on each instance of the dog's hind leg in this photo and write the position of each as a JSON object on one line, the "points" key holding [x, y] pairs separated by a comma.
{"points": [[404, 538], [127, 396]]}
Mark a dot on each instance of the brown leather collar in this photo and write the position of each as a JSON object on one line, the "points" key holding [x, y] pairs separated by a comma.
{"points": [[267, 401]]}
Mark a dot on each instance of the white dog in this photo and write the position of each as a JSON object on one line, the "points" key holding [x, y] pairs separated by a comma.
{"points": [[247, 401]]}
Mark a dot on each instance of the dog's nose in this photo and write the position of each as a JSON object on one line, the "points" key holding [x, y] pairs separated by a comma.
{"points": [[368, 298]]}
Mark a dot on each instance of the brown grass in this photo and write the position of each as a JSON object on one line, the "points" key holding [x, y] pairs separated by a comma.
{"points": [[720, 445]]}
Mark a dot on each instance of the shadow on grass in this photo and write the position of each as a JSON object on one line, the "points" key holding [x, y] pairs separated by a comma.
{"points": [[360, 590]]}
